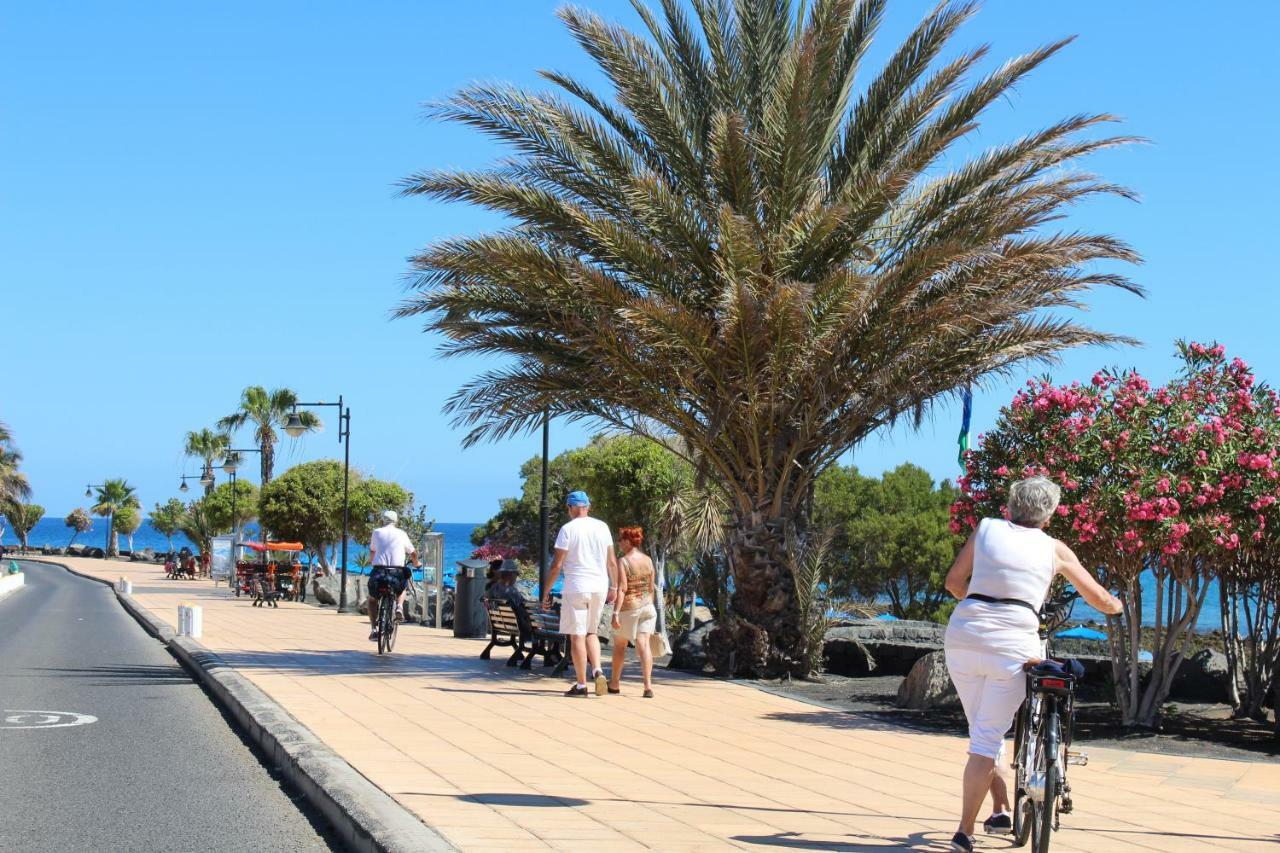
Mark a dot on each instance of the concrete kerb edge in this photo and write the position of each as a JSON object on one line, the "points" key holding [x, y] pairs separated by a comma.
{"points": [[364, 816]]}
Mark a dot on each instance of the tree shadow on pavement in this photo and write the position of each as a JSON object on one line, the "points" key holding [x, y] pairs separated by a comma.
{"points": [[790, 840], [123, 675], [302, 662], [864, 720], [514, 799]]}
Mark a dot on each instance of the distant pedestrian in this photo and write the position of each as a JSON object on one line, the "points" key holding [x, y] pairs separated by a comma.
{"points": [[636, 616], [584, 550]]}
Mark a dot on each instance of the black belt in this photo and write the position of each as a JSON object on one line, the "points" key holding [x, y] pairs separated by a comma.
{"points": [[977, 596]]}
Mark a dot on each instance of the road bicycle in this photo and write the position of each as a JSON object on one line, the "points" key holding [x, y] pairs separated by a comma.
{"points": [[1042, 737]]}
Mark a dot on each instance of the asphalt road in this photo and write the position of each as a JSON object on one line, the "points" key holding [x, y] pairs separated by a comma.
{"points": [[161, 768]]}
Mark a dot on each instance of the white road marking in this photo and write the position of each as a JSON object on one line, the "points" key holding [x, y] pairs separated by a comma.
{"points": [[44, 719]]}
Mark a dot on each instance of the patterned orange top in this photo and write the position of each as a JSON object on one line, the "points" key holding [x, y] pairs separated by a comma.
{"points": [[639, 582]]}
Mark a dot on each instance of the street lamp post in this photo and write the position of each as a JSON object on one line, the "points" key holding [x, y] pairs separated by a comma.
{"points": [[230, 464], [88, 493], [544, 511], [295, 428]]}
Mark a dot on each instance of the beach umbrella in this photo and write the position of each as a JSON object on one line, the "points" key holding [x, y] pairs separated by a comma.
{"points": [[1080, 632]]}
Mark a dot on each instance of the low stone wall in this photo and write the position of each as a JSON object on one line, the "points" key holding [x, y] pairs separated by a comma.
{"points": [[11, 582], [880, 647]]}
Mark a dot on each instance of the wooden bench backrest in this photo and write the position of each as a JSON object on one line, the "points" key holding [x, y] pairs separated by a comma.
{"points": [[502, 618]]}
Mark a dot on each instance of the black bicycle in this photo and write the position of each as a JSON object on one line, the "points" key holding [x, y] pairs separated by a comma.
{"points": [[1042, 738], [388, 625]]}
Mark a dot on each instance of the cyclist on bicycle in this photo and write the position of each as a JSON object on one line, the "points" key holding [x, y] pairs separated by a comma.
{"points": [[1001, 576], [390, 551]]}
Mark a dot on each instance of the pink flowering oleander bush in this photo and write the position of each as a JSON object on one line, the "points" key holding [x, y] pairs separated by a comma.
{"points": [[495, 551], [1180, 480]]}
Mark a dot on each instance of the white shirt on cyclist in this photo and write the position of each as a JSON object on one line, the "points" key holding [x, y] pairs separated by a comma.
{"points": [[391, 546]]}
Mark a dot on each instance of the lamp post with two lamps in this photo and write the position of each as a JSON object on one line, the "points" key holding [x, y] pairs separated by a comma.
{"points": [[295, 427], [205, 479], [229, 465]]}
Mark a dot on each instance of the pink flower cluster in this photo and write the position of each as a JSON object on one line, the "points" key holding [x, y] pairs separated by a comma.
{"points": [[1190, 467]]}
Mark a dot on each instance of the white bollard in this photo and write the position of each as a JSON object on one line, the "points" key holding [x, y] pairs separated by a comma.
{"points": [[126, 586], [190, 620]]}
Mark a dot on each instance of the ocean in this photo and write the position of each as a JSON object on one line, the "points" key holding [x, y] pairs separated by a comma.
{"points": [[52, 532], [457, 546]]}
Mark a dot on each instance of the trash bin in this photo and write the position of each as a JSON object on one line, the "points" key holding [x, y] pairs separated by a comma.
{"points": [[469, 619]]}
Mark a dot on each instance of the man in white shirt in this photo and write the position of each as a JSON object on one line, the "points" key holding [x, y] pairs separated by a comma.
{"points": [[584, 550], [390, 551]]}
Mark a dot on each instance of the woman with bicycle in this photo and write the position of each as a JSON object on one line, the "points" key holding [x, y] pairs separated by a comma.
{"points": [[1001, 576]]}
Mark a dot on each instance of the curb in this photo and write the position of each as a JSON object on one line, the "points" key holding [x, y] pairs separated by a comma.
{"points": [[364, 817]]}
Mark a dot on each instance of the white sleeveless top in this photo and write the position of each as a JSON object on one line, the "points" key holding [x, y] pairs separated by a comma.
{"points": [[1009, 561]]}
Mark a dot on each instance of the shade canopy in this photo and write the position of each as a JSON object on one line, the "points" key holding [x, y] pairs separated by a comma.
{"points": [[1080, 632], [272, 546]]}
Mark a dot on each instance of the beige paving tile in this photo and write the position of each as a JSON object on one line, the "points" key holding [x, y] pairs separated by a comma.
{"points": [[497, 760]]}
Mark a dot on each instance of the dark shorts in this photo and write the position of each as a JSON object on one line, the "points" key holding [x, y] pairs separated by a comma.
{"points": [[383, 578]]}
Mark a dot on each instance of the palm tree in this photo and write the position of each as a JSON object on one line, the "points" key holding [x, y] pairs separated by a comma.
{"points": [[266, 410], [13, 483], [197, 523], [737, 247], [113, 496], [207, 446]]}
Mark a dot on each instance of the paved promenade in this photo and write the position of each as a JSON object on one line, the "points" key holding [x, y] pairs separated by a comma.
{"points": [[497, 759]]}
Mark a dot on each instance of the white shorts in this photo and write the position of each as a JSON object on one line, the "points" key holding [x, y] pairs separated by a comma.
{"points": [[580, 613], [636, 621], [991, 687]]}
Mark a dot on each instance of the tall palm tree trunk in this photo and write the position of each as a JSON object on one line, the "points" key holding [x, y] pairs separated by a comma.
{"points": [[113, 542], [266, 441]]}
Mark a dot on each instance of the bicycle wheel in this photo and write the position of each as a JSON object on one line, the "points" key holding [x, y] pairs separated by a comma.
{"points": [[1024, 808], [385, 624], [1047, 766], [392, 622]]}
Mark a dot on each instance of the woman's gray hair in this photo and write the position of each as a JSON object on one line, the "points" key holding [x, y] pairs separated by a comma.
{"points": [[1032, 501]]}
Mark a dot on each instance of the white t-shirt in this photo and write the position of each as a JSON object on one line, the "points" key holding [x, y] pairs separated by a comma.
{"points": [[587, 542], [390, 545]]}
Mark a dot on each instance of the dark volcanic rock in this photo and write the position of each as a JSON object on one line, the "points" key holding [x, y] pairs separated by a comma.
{"points": [[928, 685], [688, 650], [1202, 678]]}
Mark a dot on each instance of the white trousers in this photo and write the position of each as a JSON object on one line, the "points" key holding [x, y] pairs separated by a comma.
{"points": [[991, 687]]}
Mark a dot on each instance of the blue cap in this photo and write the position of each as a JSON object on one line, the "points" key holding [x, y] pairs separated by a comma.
{"points": [[577, 499]]}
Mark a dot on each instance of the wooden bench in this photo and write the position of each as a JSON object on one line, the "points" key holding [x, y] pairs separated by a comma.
{"points": [[527, 634]]}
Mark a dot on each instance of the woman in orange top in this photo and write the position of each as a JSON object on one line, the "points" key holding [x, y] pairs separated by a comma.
{"points": [[635, 618]]}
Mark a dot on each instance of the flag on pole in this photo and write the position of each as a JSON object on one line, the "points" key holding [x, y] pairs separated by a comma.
{"points": [[963, 439]]}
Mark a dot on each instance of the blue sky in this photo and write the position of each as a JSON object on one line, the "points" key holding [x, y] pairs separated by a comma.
{"points": [[198, 197]]}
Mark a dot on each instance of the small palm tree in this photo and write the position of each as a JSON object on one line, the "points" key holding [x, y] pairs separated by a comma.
{"points": [[197, 523], [266, 410], [113, 496], [209, 447], [739, 247], [13, 483]]}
